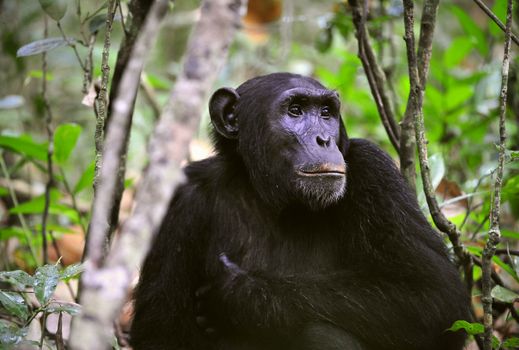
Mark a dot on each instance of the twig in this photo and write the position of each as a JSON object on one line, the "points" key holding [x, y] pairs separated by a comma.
{"points": [[14, 198], [101, 101], [494, 234], [375, 75], [60, 345], [496, 20], [73, 200], [50, 152], [105, 283], [72, 45], [418, 71]]}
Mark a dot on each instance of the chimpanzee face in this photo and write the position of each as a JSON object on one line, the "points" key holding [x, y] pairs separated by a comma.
{"points": [[288, 132]]}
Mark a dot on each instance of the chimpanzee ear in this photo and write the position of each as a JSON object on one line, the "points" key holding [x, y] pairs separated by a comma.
{"points": [[221, 110]]}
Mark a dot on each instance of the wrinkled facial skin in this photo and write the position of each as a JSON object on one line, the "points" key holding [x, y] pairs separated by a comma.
{"points": [[307, 136]]}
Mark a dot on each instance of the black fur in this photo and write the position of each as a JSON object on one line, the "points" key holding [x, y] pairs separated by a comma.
{"points": [[364, 272]]}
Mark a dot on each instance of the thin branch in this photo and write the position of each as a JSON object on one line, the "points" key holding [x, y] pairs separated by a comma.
{"points": [[50, 151], [105, 283], [101, 101], [494, 234], [72, 45], [418, 71], [496, 20], [375, 75]]}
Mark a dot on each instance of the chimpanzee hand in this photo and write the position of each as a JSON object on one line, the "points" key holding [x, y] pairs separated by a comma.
{"points": [[210, 309]]}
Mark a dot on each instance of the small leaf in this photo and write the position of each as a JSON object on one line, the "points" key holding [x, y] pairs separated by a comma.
{"points": [[437, 169], [69, 308], [72, 271], [65, 139], [11, 102], [54, 8], [35, 205], [503, 294], [505, 267], [11, 334], [15, 304], [10, 232], [43, 45], [87, 179], [20, 279], [25, 146], [45, 281], [512, 343], [470, 328]]}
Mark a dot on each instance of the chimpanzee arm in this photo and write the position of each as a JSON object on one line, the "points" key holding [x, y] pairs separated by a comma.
{"points": [[385, 309], [164, 316]]}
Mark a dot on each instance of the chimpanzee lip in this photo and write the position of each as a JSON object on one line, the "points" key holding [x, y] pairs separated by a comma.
{"points": [[326, 169]]}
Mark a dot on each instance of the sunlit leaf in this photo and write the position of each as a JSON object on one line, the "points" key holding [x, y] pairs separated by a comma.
{"points": [[505, 267], [11, 334], [69, 308], [20, 279], [503, 294], [72, 271], [15, 304], [56, 9], [458, 50], [45, 281], [65, 139], [43, 45]]}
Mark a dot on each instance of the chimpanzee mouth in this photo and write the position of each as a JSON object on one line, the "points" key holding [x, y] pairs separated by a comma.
{"points": [[325, 169]]}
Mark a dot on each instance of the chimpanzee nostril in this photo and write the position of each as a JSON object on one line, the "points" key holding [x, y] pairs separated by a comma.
{"points": [[321, 141]]}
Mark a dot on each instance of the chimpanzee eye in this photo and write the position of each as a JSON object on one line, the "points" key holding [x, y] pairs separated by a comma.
{"points": [[325, 112], [295, 110]]}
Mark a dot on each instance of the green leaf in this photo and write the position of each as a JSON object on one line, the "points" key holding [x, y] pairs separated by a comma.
{"points": [[10, 232], [505, 267], [156, 82], [20, 279], [25, 146], [69, 308], [72, 271], [470, 328], [512, 343], [54, 8], [458, 50], [503, 294], [43, 45], [11, 334], [87, 179], [472, 29], [45, 281], [499, 9], [65, 139], [14, 304], [510, 234], [35, 205]]}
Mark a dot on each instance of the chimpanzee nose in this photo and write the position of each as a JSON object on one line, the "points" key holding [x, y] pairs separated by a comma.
{"points": [[323, 141]]}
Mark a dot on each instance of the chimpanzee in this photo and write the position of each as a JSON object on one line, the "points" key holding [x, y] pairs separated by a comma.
{"points": [[295, 237]]}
